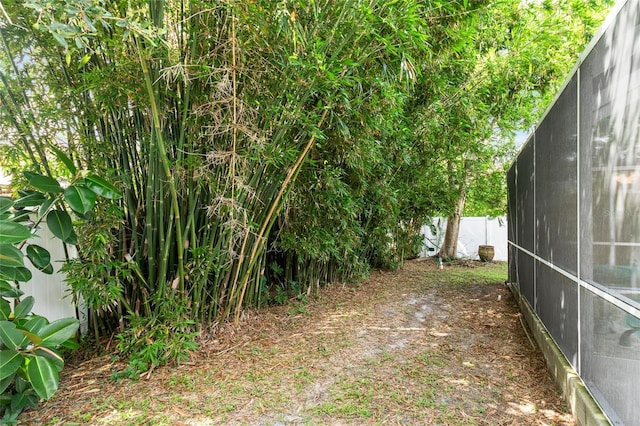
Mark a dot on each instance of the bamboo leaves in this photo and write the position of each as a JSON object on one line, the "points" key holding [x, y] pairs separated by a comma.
{"points": [[213, 156]]}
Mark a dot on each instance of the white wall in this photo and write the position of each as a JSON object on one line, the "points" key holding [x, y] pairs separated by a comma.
{"points": [[474, 231], [53, 300]]}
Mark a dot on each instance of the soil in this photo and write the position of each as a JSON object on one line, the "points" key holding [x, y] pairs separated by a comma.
{"points": [[416, 346]]}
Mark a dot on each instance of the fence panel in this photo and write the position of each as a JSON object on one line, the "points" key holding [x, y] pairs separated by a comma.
{"points": [[51, 292], [474, 232], [574, 210]]}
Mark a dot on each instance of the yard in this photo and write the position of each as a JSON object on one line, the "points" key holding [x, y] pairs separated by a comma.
{"points": [[415, 346]]}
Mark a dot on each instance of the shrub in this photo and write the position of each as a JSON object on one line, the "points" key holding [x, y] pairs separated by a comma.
{"points": [[30, 345]]}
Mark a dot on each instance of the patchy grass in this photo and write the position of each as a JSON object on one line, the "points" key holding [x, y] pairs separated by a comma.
{"points": [[415, 346], [471, 272]]}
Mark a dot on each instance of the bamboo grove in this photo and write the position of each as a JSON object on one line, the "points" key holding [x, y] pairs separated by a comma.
{"points": [[261, 146]]}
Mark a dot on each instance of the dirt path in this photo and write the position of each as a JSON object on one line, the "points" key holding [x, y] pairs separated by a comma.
{"points": [[418, 346]]}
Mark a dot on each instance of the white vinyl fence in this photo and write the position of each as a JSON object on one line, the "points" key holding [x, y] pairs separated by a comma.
{"points": [[474, 232], [53, 300]]}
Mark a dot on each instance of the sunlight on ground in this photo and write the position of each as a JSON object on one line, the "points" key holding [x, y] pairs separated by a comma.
{"points": [[522, 408]]}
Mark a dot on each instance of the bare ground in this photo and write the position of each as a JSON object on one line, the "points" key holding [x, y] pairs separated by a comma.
{"points": [[418, 346]]}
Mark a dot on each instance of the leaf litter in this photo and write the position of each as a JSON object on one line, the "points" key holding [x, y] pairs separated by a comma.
{"points": [[417, 346]]}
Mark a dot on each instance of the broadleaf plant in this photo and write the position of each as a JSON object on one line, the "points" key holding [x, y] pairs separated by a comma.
{"points": [[30, 345]]}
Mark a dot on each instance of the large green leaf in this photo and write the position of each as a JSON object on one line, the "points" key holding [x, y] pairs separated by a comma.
{"points": [[43, 376], [10, 361], [64, 159], [59, 331], [4, 383], [102, 187], [21, 216], [22, 384], [12, 232], [15, 274], [5, 204], [29, 198], [72, 238], [43, 183], [52, 356], [10, 256], [23, 274], [48, 269], [71, 344], [81, 199], [32, 328], [59, 223], [7, 290], [24, 307], [10, 336], [5, 309], [22, 400], [46, 204], [39, 256], [33, 338], [35, 324]]}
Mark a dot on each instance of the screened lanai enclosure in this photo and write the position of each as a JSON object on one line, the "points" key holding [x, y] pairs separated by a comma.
{"points": [[574, 218]]}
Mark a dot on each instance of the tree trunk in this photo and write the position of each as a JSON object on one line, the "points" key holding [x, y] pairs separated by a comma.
{"points": [[449, 248]]}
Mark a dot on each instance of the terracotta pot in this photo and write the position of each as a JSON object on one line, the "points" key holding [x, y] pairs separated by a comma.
{"points": [[486, 253]]}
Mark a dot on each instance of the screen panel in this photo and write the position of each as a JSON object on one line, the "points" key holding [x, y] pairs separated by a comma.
{"points": [[598, 159], [556, 182], [525, 207], [610, 356], [610, 157], [525, 274], [557, 307], [512, 209], [513, 266]]}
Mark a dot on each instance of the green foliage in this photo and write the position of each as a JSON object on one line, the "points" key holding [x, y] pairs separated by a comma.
{"points": [[263, 148], [495, 76], [30, 346], [154, 340], [249, 137]]}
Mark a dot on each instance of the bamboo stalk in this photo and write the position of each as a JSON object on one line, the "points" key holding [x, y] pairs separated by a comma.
{"points": [[167, 171], [267, 222]]}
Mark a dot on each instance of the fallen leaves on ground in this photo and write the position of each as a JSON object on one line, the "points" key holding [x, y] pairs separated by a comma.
{"points": [[403, 347]]}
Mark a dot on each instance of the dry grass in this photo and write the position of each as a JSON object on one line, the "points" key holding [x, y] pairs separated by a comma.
{"points": [[416, 346]]}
